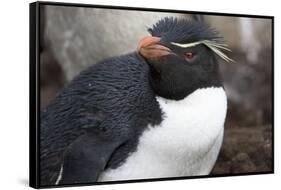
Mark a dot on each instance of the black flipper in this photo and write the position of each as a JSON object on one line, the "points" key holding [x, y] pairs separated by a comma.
{"points": [[86, 158]]}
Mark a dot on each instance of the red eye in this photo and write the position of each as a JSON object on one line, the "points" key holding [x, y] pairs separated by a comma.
{"points": [[188, 55]]}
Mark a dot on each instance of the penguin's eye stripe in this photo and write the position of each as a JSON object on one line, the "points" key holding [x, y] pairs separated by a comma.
{"points": [[212, 45], [186, 45]]}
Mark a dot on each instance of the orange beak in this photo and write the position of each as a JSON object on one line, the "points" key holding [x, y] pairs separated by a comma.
{"points": [[149, 48]]}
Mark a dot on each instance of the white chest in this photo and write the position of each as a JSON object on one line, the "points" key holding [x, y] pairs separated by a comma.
{"points": [[186, 142]]}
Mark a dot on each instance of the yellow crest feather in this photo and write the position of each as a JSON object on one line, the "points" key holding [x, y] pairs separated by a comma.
{"points": [[212, 45]]}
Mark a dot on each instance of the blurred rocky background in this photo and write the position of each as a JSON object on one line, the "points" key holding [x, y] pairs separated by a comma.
{"points": [[73, 38]]}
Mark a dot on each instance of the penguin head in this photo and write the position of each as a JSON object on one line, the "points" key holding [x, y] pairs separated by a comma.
{"points": [[182, 55]]}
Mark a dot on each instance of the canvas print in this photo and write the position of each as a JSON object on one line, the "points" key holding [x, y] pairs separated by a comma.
{"points": [[128, 94]]}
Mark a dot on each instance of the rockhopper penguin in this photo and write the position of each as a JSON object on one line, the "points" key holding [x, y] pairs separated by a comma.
{"points": [[154, 113]]}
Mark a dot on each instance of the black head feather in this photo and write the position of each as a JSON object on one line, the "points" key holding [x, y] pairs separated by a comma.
{"points": [[183, 31]]}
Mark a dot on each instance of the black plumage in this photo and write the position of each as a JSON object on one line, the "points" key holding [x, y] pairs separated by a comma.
{"points": [[184, 31]]}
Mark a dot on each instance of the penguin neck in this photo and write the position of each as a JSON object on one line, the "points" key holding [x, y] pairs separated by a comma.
{"points": [[174, 87]]}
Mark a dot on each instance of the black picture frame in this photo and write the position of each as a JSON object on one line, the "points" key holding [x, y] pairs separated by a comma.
{"points": [[34, 98]]}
